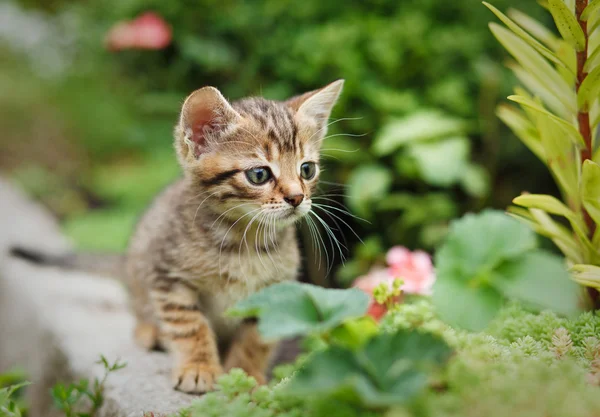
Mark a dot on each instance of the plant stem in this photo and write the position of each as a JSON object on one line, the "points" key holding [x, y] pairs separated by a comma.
{"points": [[583, 117]]}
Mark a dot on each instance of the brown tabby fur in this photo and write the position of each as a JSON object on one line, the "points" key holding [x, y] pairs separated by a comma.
{"points": [[212, 238]]}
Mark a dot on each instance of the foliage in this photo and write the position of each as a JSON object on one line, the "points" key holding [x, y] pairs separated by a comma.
{"points": [[292, 308], [515, 367], [11, 403], [490, 257], [410, 66], [558, 119], [82, 399]]}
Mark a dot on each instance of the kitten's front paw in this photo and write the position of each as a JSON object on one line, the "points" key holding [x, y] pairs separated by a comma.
{"points": [[196, 378]]}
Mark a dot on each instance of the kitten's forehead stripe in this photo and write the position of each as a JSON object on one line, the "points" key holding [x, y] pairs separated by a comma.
{"points": [[276, 119]]}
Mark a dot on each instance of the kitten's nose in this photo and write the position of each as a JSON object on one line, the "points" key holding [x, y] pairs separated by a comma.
{"points": [[295, 199]]}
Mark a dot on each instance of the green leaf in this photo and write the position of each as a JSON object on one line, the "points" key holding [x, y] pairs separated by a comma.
{"points": [[290, 309], [590, 189], [476, 246], [588, 275], [567, 24], [551, 205], [524, 35], [590, 9], [367, 185], [589, 90], [475, 180], [592, 60], [540, 280], [479, 243], [535, 28], [534, 64], [421, 126], [522, 128], [560, 235], [569, 128], [353, 334], [441, 162], [392, 368], [451, 294]]}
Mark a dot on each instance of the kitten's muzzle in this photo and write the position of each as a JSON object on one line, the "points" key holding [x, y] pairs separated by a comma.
{"points": [[294, 200]]}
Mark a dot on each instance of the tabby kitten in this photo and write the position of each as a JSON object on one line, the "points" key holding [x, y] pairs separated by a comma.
{"points": [[225, 230]]}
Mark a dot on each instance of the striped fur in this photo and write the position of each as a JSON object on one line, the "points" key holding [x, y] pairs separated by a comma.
{"points": [[212, 238]]}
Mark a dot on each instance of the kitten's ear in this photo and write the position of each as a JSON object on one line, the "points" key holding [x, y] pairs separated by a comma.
{"points": [[205, 117], [316, 105]]}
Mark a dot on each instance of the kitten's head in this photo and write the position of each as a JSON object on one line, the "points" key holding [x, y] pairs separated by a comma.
{"points": [[254, 156]]}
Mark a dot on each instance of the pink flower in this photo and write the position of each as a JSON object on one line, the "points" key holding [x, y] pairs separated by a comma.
{"points": [[367, 283], [147, 31], [414, 268]]}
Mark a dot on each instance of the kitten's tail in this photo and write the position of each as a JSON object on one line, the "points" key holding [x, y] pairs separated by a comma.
{"points": [[106, 264]]}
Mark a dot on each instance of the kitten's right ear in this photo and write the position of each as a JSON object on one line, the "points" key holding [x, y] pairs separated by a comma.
{"points": [[205, 117]]}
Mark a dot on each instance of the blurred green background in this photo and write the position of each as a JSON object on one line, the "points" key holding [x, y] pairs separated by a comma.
{"points": [[88, 131]]}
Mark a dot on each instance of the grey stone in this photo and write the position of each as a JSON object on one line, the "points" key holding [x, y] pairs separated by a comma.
{"points": [[55, 324]]}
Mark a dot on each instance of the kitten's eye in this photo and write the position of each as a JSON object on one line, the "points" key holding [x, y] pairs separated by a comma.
{"points": [[258, 176], [308, 170]]}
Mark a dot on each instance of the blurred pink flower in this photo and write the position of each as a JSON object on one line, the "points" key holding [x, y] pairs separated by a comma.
{"points": [[147, 31], [414, 268], [367, 283]]}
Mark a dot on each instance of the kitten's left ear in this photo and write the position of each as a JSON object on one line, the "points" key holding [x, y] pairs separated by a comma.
{"points": [[316, 105]]}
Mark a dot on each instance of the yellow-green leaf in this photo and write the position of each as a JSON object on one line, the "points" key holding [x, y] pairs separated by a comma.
{"points": [[524, 35], [522, 128], [567, 24], [535, 28], [533, 63], [571, 130], [551, 205], [589, 89], [588, 275], [538, 89], [590, 189], [590, 9], [559, 234], [592, 60]]}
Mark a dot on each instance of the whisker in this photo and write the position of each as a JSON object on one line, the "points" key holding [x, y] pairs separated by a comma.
{"points": [[225, 236], [340, 219], [323, 206]]}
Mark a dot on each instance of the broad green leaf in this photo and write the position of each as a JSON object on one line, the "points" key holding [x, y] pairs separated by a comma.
{"points": [[522, 128], [533, 63], [567, 24], [477, 243], [441, 162], [569, 128], [540, 280], [290, 309], [475, 180], [367, 185], [592, 7], [538, 89], [588, 275], [589, 90], [590, 189], [451, 295], [421, 126], [392, 368], [534, 27], [353, 334], [524, 35]]}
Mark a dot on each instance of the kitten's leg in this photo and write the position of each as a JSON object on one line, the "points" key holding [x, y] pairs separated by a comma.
{"points": [[249, 352], [188, 335]]}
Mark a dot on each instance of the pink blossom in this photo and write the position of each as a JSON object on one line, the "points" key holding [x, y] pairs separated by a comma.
{"points": [[414, 268], [367, 283], [147, 31]]}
